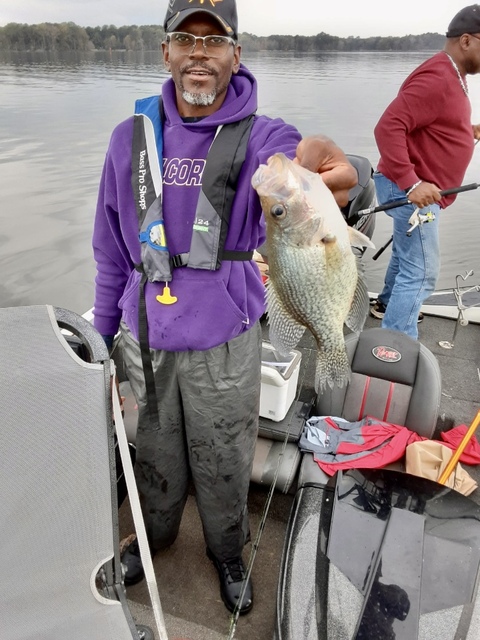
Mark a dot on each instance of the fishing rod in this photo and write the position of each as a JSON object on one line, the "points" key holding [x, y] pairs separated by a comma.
{"points": [[401, 203], [261, 527]]}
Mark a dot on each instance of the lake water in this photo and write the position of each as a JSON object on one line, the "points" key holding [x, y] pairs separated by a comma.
{"points": [[56, 116]]}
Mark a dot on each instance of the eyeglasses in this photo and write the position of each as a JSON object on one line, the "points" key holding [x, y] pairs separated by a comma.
{"points": [[213, 46]]}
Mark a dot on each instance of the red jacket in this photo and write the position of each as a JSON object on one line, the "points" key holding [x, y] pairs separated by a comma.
{"points": [[369, 443], [366, 444]]}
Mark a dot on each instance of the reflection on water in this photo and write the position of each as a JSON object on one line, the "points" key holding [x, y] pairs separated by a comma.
{"points": [[57, 113]]}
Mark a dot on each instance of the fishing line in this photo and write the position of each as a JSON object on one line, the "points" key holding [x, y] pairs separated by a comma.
{"points": [[261, 528], [258, 536]]}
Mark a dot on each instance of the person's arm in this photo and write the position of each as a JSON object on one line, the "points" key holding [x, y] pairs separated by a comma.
{"points": [[321, 155], [318, 153], [111, 255]]}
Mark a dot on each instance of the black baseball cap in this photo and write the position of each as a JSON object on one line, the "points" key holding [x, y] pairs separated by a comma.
{"points": [[467, 20], [225, 11]]}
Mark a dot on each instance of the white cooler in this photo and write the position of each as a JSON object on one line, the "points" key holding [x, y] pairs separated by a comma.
{"points": [[279, 382]]}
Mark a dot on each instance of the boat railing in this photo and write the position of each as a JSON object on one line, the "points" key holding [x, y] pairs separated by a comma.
{"points": [[459, 292]]}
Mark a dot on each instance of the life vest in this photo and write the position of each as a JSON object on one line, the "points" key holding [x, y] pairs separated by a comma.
{"points": [[222, 168], [223, 164]]}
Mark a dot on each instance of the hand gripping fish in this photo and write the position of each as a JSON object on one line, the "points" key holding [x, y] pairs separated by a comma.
{"points": [[313, 280]]}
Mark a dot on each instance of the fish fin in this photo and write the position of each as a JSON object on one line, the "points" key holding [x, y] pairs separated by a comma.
{"points": [[359, 239], [284, 331], [359, 308], [332, 368]]}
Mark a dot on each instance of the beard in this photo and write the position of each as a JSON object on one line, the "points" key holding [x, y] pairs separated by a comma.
{"points": [[199, 99]]}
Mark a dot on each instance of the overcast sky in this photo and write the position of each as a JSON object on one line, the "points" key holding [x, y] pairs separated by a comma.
{"points": [[260, 17]]}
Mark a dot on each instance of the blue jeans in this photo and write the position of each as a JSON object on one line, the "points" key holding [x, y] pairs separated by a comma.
{"points": [[415, 262]]}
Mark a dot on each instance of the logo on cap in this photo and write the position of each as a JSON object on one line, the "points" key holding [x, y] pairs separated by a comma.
{"points": [[386, 354]]}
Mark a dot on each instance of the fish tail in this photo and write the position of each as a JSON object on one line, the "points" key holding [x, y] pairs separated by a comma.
{"points": [[333, 368]]}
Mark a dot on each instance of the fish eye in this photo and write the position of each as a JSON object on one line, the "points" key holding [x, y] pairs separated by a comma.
{"points": [[278, 211]]}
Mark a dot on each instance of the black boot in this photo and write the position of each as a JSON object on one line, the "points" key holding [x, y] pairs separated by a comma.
{"points": [[232, 576], [132, 564]]}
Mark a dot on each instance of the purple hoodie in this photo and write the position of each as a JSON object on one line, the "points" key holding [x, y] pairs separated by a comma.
{"points": [[212, 306]]}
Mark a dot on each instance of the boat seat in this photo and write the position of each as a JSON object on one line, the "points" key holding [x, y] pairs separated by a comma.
{"points": [[277, 455], [61, 570], [394, 379]]}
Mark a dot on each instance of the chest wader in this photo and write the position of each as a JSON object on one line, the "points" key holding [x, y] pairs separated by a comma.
{"points": [[220, 176]]}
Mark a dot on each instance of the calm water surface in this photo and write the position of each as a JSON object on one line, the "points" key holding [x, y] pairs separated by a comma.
{"points": [[56, 116]]}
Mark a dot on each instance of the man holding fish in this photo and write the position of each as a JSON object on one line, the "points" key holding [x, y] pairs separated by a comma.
{"points": [[176, 225]]}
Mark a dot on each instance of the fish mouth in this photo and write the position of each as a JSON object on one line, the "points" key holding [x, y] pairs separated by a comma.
{"points": [[279, 159], [273, 178]]}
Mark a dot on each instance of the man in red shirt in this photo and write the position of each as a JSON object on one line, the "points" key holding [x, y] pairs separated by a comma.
{"points": [[426, 141]]}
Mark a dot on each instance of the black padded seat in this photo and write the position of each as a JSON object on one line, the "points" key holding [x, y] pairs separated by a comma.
{"points": [[394, 378]]}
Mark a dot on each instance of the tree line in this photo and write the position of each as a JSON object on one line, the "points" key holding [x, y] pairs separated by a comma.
{"points": [[67, 36]]}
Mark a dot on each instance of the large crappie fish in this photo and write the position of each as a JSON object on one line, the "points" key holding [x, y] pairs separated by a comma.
{"points": [[313, 280]]}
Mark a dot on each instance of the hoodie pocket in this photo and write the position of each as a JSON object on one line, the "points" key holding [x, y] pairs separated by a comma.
{"points": [[204, 316]]}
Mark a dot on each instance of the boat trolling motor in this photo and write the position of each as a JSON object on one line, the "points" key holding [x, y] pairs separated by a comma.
{"points": [[360, 198]]}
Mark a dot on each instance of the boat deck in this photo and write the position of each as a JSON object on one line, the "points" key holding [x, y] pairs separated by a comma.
{"points": [[187, 580]]}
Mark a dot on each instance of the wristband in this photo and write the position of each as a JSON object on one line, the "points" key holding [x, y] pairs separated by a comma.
{"points": [[414, 187]]}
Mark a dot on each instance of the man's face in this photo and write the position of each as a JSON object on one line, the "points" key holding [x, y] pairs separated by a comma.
{"points": [[472, 53], [201, 81]]}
